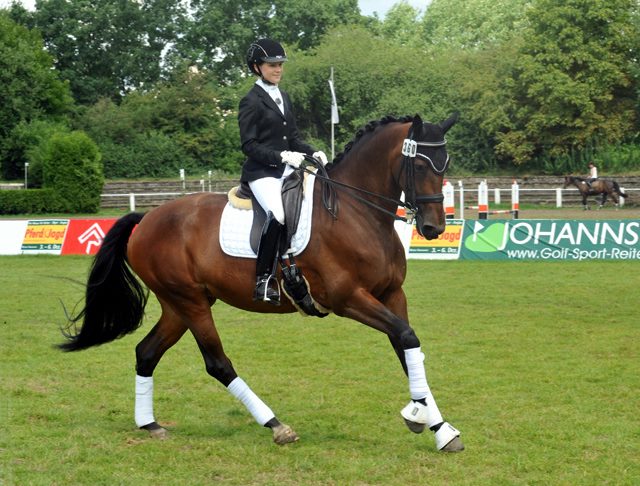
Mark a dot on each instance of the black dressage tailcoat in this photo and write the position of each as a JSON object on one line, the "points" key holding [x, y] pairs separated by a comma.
{"points": [[265, 132]]}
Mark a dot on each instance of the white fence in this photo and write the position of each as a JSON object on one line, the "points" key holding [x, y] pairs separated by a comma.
{"points": [[558, 195]]}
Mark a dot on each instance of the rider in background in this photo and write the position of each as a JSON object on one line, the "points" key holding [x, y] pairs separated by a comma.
{"points": [[274, 148], [593, 174]]}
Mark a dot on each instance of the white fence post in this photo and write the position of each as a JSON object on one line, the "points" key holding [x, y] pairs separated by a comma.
{"points": [[496, 195], [558, 197], [449, 201], [515, 199], [483, 200], [461, 188], [132, 202]]}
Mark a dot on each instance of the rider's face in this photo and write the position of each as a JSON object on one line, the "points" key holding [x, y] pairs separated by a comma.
{"points": [[272, 71]]}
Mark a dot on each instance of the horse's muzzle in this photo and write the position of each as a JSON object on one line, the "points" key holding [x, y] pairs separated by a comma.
{"points": [[428, 230]]}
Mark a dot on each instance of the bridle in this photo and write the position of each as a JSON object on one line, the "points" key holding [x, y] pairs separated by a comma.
{"points": [[409, 152]]}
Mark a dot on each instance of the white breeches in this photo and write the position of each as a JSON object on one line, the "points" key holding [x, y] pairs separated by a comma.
{"points": [[268, 192]]}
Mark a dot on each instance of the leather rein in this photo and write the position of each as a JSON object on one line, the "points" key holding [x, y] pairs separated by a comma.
{"points": [[409, 152]]}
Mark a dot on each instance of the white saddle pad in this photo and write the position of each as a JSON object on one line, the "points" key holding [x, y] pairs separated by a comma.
{"points": [[235, 227]]}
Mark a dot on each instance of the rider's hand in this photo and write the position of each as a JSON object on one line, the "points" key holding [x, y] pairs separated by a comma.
{"points": [[294, 159], [321, 156]]}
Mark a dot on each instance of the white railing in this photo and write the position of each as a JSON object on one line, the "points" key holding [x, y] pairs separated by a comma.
{"points": [[556, 193]]}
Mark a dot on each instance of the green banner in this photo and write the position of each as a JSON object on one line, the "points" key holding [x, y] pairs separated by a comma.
{"points": [[551, 239]]}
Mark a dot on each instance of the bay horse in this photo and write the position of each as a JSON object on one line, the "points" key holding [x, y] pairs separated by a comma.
{"points": [[354, 263], [599, 186]]}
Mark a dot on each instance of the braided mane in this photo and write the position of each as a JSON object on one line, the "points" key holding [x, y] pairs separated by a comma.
{"points": [[370, 127]]}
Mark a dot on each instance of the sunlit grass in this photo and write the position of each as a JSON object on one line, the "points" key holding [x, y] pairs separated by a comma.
{"points": [[536, 363]]}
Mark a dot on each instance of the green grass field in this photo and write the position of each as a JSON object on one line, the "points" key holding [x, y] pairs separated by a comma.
{"points": [[537, 364]]}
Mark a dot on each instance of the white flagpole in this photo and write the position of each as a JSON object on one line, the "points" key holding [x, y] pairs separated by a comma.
{"points": [[334, 113]]}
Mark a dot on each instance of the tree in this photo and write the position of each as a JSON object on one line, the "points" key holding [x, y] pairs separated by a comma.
{"points": [[221, 31], [373, 78], [73, 170], [473, 24], [107, 48], [29, 90], [185, 122], [401, 23], [573, 84]]}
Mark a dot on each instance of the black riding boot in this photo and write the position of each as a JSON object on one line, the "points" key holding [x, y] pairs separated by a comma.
{"points": [[267, 288]]}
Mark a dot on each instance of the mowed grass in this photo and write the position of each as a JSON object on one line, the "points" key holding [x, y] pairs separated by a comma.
{"points": [[536, 363]]}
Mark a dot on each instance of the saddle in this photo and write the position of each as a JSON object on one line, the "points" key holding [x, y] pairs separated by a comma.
{"points": [[292, 193], [294, 285]]}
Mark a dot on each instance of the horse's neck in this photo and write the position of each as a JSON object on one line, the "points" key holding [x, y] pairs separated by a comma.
{"points": [[369, 172], [370, 166]]}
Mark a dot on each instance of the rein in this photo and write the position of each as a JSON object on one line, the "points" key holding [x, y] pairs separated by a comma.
{"points": [[409, 152]]}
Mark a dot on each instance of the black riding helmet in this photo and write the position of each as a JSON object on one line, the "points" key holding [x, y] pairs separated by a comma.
{"points": [[264, 50]]}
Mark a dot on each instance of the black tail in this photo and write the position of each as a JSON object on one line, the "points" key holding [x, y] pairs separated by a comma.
{"points": [[618, 190], [115, 300]]}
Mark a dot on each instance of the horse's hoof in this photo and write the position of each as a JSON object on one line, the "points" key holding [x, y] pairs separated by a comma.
{"points": [[156, 431], [415, 427], [283, 434], [455, 445]]}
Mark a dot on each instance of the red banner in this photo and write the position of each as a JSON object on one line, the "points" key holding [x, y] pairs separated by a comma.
{"points": [[84, 236]]}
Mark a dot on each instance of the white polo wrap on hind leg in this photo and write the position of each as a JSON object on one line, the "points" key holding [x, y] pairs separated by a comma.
{"points": [[261, 413], [419, 388], [144, 401]]}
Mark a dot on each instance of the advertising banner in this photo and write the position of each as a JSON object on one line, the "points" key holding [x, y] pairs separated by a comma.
{"points": [[44, 236], [542, 239], [84, 236], [445, 247]]}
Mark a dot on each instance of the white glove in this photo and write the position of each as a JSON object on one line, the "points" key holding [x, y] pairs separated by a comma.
{"points": [[294, 159], [321, 156]]}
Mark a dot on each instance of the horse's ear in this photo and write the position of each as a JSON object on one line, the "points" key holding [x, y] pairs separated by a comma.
{"points": [[449, 122]]}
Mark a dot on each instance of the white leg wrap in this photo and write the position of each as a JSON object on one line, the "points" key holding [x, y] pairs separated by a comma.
{"points": [[419, 388], [261, 413], [144, 400]]}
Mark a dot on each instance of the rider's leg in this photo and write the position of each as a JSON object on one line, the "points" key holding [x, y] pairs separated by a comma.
{"points": [[267, 191], [266, 285]]}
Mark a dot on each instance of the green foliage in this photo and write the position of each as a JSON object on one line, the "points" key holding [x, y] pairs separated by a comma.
{"points": [[32, 139], [72, 168], [33, 201], [541, 84], [219, 33], [572, 79], [108, 48], [472, 24], [182, 123], [29, 90], [368, 85]]}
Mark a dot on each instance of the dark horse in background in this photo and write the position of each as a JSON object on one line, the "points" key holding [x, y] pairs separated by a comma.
{"points": [[354, 262], [599, 186]]}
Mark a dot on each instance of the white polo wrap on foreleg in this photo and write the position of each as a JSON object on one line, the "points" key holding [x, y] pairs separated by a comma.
{"points": [[418, 386], [419, 389], [144, 401], [261, 413]]}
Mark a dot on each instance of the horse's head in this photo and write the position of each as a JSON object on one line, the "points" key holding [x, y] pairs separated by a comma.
{"points": [[425, 162], [568, 180]]}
